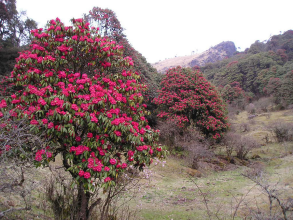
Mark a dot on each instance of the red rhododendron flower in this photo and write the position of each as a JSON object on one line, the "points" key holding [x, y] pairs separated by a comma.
{"points": [[34, 122], [3, 103], [112, 161], [130, 153], [74, 107], [107, 179], [118, 133], [81, 173], [159, 149], [45, 121], [90, 135], [87, 175], [50, 125]]}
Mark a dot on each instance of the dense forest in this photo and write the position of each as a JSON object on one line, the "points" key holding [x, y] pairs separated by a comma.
{"points": [[264, 69]]}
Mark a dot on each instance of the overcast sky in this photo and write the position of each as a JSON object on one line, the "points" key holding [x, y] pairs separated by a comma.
{"points": [[161, 29]]}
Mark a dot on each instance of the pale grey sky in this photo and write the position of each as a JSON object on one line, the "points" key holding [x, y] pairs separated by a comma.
{"points": [[161, 29]]}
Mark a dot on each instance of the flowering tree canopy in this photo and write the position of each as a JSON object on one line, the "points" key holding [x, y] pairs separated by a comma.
{"points": [[81, 94], [110, 27], [106, 21], [232, 92], [234, 95], [188, 98]]}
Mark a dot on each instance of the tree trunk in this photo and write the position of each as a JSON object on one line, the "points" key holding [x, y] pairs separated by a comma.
{"points": [[195, 163], [82, 209]]}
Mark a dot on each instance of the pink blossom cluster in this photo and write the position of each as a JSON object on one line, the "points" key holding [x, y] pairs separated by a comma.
{"points": [[79, 149], [40, 153]]}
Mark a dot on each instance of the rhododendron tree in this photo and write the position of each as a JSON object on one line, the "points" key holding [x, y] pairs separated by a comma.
{"points": [[189, 99], [106, 21], [96, 123], [110, 27], [233, 94]]}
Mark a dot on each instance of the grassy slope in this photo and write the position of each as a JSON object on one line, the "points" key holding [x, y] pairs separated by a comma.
{"points": [[172, 194]]}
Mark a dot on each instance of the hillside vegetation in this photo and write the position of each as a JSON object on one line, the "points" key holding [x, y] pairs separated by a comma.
{"points": [[261, 70], [90, 130]]}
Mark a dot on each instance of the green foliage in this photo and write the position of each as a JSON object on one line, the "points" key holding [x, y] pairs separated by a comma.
{"points": [[257, 47], [286, 88], [7, 60], [254, 68], [15, 30], [234, 94], [282, 41]]}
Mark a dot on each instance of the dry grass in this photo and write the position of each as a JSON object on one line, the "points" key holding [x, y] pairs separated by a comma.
{"points": [[184, 61], [174, 196]]}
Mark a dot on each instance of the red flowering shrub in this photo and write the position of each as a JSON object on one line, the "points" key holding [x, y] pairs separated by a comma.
{"points": [[233, 94], [96, 123], [188, 98], [110, 27], [273, 86]]}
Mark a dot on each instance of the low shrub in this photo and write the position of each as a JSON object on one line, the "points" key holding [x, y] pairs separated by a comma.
{"points": [[244, 146], [263, 104], [188, 143], [239, 144], [244, 127], [282, 131], [251, 109]]}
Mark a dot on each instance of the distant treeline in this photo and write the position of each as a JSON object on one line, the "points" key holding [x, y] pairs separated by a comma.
{"points": [[261, 70]]}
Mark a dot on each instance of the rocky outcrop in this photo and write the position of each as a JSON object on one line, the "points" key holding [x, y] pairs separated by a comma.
{"points": [[219, 52]]}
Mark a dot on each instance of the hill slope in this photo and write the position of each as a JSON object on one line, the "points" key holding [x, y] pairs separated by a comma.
{"points": [[219, 52], [266, 68]]}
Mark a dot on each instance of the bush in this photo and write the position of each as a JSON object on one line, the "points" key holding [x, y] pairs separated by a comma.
{"points": [[239, 144], [234, 95], [244, 127], [263, 104], [188, 143], [170, 135], [230, 141], [244, 146], [188, 98], [283, 131], [251, 108]]}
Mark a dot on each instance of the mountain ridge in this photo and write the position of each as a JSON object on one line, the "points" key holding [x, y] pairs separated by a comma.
{"points": [[223, 50]]}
